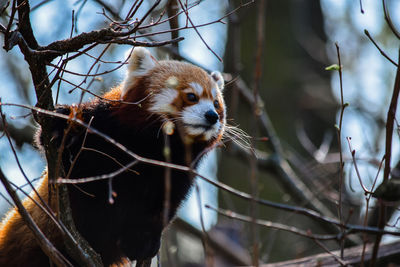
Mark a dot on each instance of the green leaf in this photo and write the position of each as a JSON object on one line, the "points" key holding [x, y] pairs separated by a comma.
{"points": [[333, 67]]}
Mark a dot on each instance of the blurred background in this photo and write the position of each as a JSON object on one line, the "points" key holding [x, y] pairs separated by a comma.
{"points": [[278, 49]]}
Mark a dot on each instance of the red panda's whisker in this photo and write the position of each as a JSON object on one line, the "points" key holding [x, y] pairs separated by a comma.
{"points": [[238, 136]]}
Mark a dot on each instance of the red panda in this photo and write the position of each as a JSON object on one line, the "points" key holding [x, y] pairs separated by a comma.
{"points": [[153, 93]]}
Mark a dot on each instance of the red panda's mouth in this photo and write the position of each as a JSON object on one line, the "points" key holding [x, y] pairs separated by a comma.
{"points": [[200, 131], [201, 126]]}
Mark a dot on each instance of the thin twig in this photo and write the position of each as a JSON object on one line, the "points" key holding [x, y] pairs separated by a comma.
{"points": [[353, 155], [389, 20], [361, 7], [338, 259], [204, 235], [272, 225], [167, 180], [197, 31], [380, 50], [367, 200], [339, 132]]}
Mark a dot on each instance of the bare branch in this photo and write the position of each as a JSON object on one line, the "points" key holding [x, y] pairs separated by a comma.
{"points": [[389, 20], [276, 226], [388, 253], [380, 50]]}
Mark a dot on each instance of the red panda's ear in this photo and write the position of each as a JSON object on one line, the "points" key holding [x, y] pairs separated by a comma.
{"points": [[217, 77], [140, 63]]}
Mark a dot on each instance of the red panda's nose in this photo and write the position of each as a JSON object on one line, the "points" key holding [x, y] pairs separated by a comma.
{"points": [[211, 116]]}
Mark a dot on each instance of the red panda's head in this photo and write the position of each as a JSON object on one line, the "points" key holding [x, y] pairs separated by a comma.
{"points": [[178, 92]]}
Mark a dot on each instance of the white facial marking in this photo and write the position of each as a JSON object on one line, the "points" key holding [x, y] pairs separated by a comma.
{"points": [[197, 88], [161, 102], [214, 92], [172, 82], [188, 90]]}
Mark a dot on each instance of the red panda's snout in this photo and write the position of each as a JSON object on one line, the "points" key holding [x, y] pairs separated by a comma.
{"points": [[202, 119], [180, 93]]}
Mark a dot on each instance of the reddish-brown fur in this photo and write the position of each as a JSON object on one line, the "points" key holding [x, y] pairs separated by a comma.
{"points": [[17, 241]]}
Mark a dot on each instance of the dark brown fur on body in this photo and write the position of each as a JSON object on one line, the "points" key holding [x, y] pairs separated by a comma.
{"points": [[132, 225]]}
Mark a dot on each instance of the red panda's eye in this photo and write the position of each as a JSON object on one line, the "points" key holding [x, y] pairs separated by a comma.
{"points": [[216, 104], [191, 97]]}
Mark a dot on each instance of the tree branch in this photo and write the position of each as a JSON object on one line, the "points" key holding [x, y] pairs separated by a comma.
{"points": [[388, 253]]}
